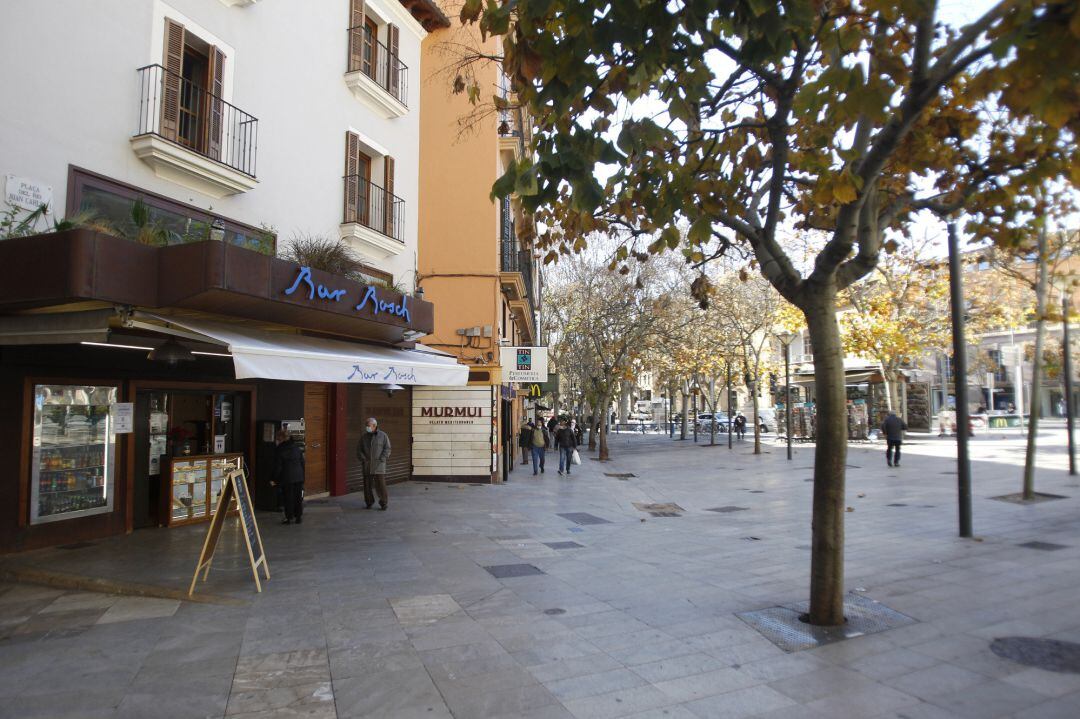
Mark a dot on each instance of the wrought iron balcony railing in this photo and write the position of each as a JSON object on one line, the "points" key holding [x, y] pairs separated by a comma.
{"points": [[178, 110], [374, 207], [371, 57]]}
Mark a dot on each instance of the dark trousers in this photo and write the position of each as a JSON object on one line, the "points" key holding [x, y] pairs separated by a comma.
{"points": [[892, 452], [292, 496], [524, 455], [375, 483], [565, 456]]}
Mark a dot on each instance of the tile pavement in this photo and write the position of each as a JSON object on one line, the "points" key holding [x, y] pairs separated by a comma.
{"points": [[396, 614]]}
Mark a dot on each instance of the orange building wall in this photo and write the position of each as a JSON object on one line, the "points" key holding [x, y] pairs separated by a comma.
{"points": [[458, 259]]}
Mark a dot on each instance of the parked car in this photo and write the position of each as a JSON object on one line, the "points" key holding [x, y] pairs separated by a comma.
{"points": [[720, 418]]}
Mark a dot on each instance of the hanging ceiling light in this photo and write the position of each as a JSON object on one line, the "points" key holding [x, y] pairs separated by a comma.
{"points": [[172, 352]]}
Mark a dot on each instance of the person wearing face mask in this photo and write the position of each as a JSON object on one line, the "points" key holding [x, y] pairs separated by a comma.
{"points": [[373, 451]]}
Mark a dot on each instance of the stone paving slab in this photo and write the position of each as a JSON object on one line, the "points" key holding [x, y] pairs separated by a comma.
{"points": [[395, 614]]}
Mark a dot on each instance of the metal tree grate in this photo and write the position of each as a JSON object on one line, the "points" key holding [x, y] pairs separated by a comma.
{"points": [[1044, 546], [1018, 498], [782, 626], [564, 545], [1051, 655], [584, 518], [727, 509], [505, 571], [620, 475]]}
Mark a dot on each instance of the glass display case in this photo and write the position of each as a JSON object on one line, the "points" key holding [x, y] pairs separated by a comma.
{"points": [[74, 452], [193, 485]]}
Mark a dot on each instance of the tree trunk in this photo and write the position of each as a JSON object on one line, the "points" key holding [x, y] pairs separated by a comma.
{"points": [[605, 402], [685, 410], [712, 408], [1041, 288], [827, 556], [757, 422]]}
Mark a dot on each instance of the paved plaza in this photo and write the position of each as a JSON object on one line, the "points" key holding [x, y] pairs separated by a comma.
{"points": [[555, 597]]}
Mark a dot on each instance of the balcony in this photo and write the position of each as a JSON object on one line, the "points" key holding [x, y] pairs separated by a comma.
{"points": [[193, 137], [374, 218], [375, 75]]}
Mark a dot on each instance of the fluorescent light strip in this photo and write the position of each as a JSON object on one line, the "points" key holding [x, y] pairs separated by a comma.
{"points": [[122, 347], [147, 349]]}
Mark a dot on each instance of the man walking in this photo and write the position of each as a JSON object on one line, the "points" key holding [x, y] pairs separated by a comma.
{"points": [[525, 440], [373, 451], [289, 475], [566, 441], [893, 428], [539, 445]]}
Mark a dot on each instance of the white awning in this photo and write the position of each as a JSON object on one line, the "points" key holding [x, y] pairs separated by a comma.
{"points": [[273, 355]]}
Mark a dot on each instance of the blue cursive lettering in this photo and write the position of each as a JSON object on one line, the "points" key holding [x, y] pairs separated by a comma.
{"points": [[377, 305], [400, 375], [324, 292], [361, 374]]}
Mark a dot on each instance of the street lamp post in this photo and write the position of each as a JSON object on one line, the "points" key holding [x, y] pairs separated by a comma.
{"points": [[1067, 369], [960, 379], [694, 394], [728, 363], [786, 339]]}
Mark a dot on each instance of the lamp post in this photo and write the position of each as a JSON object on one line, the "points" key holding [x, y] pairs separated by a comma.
{"points": [[694, 389], [786, 339], [1067, 370], [960, 379]]}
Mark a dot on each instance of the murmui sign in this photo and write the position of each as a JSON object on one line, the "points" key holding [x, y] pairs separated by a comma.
{"points": [[305, 284]]}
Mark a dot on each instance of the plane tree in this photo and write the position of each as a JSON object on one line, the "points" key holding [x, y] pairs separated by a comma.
{"points": [[737, 118]]}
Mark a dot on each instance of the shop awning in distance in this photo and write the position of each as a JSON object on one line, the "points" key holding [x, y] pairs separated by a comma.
{"points": [[277, 355]]}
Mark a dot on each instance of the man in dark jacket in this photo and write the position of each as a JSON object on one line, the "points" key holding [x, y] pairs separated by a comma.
{"points": [[373, 451], [566, 441], [289, 475], [525, 440], [893, 428]]}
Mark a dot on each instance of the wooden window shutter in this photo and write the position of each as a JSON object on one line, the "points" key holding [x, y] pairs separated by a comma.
{"points": [[393, 79], [388, 186], [173, 63], [214, 127], [356, 34], [352, 178]]}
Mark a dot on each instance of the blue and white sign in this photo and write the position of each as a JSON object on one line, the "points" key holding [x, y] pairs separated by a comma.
{"points": [[524, 364]]}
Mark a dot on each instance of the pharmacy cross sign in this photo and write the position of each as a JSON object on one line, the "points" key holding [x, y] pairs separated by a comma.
{"points": [[316, 290]]}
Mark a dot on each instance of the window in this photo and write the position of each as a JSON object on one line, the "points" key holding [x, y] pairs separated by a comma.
{"points": [[808, 347], [192, 89], [111, 203], [367, 203]]}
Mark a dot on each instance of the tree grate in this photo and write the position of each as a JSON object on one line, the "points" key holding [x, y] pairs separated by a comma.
{"points": [[584, 518], [554, 611], [727, 509], [1052, 655], [896, 504], [1044, 546], [564, 545], [506, 571], [1018, 498], [783, 627], [620, 475]]}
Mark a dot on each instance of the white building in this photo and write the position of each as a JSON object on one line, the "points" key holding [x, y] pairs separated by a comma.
{"points": [[295, 117]]}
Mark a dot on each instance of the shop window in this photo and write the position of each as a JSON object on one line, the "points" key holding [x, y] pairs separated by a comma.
{"points": [[166, 221], [74, 452]]}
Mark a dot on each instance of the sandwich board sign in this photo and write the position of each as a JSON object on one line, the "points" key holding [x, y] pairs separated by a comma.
{"points": [[235, 485]]}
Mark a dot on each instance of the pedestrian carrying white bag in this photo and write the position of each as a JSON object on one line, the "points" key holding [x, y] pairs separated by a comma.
{"points": [[575, 458]]}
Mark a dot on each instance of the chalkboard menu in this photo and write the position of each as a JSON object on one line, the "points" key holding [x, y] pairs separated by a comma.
{"points": [[247, 518], [235, 485]]}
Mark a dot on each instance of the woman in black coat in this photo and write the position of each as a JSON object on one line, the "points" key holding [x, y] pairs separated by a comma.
{"points": [[289, 475]]}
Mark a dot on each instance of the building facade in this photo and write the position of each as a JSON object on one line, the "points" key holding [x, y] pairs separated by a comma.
{"points": [[152, 338], [475, 260]]}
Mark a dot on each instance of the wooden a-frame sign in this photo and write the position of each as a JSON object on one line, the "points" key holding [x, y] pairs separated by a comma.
{"points": [[235, 485]]}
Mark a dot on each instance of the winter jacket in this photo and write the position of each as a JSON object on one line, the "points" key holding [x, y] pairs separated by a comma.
{"points": [[288, 463], [893, 428], [525, 437], [373, 451], [566, 439], [539, 436]]}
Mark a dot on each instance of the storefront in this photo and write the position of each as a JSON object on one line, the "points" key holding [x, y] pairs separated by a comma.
{"points": [[133, 377]]}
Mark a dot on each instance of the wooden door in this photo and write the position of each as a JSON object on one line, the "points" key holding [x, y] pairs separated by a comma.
{"points": [[316, 402]]}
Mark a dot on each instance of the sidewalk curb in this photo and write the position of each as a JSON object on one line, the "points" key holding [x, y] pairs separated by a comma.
{"points": [[59, 580]]}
